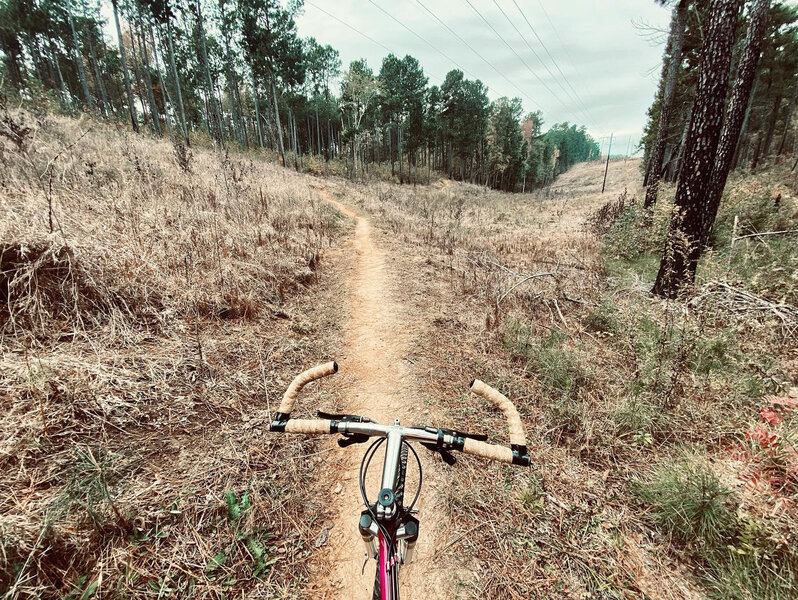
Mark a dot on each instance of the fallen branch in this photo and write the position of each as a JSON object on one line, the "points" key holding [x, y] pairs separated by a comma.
{"points": [[737, 300], [524, 280], [764, 233]]}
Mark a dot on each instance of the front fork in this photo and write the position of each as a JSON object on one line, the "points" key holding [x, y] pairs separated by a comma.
{"points": [[405, 534]]}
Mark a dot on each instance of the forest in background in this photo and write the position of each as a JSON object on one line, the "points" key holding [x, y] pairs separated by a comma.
{"points": [[237, 72]]}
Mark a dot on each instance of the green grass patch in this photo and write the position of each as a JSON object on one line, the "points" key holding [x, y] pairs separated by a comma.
{"points": [[689, 503]]}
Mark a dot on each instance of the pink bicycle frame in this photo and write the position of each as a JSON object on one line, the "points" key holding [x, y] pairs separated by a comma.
{"points": [[387, 573]]}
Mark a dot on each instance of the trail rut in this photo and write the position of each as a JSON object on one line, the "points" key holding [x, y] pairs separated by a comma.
{"points": [[381, 383]]}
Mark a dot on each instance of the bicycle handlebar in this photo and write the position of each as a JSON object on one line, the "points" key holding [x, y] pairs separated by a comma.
{"points": [[502, 402], [516, 453], [301, 380]]}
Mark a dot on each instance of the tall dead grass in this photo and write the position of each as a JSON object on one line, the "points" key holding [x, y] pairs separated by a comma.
{"points": [[146, 304]]}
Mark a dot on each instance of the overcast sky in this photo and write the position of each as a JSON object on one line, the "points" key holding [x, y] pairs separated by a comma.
{"points": [[609, 68]]}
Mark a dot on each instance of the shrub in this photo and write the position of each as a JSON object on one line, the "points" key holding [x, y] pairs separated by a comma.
{"points": [[605, 318], [555, 366], [689, 503]]}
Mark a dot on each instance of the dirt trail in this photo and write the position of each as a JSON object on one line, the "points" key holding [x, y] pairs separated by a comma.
{"points": [[378, 382]]}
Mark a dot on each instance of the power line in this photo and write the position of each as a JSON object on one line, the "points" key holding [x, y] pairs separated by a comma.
{"points": [[557, 66], [575, 97], [356, 30], [518, 56], [423, 39], [486, 61], [540, 60], [568, 56]]}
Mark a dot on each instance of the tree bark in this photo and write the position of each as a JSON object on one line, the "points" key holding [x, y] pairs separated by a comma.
{"points": [[64, 89], [104, 105], [217, 118], [126, 74], [84, 84], [675, 42], [279, 126], [257, 109], [741, 95], [165, 98], [744, 127], [774, 117], [176, 79], [683, 246], [145, 64], [788, 120]]}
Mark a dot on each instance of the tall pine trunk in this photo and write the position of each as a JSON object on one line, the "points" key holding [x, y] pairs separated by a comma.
{"points": [[279, 125], [165, 98], [744, 127], [215, 115], [675, 43], [176, 79], [774, 117], [145, 66], [84, 84], [683, 246], [258, 123], [788, 120], [126, 74], [735, 114], [104, 106]]}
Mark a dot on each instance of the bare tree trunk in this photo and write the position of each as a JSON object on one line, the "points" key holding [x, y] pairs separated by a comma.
{"points": [[176, 79], [126, 74], [788, 120], [136, 68], [67, 97], [145, 63], [165, 98], [84, 84], [257, 109], [683, 247], [735, 114], [104, 105], [774, 117], [217, 118], [675, 43], [279, 126], [744, 127]]}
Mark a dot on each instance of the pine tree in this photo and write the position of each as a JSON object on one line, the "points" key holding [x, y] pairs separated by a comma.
{"points": [[683, 245]]}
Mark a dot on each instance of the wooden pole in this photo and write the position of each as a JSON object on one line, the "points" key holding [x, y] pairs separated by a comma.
{"points": [[607, 166]]}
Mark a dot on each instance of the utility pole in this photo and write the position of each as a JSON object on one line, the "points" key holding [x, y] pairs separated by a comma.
{"points": [[628, 147], [607, 166]]}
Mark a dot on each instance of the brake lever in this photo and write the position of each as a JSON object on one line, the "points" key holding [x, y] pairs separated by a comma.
{"points": [[352, 438], [481, 437], [447, 457], [346, 418]]}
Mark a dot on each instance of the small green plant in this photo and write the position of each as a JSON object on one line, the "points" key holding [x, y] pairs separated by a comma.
{"points": [[94, 472], [236, 507], [690, 503], [712, 354], [636, 416], [260, 559], [605, 318]]}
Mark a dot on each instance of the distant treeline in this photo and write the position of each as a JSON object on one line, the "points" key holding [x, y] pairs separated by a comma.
{"points": [[237, 71]]}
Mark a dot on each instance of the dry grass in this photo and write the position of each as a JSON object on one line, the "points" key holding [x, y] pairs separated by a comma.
{"points": [[525, 294], [147, 320]]}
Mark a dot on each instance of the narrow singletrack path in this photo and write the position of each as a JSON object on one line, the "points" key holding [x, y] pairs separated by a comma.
{"points": [[378, 382]]}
